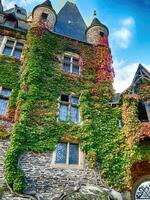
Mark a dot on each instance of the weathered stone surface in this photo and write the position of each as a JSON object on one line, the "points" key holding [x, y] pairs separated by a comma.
{"points": [[7, 125], [43, 178], [49, 182], [3, 148]]}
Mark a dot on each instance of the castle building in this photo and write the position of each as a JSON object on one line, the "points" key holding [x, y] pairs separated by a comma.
{"points": [[63, 130]]}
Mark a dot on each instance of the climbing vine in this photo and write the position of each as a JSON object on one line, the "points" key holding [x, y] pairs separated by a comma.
{"points": [[37, 128], [9, 76]]}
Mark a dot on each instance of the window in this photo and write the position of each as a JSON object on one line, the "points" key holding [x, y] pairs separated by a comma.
{"points": [[145, 142], [10, 22], [3, 106], [13, 47], [142, 113], [101, 34], [120, 123], [69, 108], [4, 98], [44, 16], [147, 106], [1, 40], [19, 11], [67, 153], [71, 63]]}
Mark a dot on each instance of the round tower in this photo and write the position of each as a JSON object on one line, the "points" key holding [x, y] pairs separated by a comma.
{"points": [[96, 31], [44, 14], [1, 6]]}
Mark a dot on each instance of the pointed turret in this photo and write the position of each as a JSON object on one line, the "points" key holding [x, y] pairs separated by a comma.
{"points": [[44, 14], [96, 31], [1, 6]]}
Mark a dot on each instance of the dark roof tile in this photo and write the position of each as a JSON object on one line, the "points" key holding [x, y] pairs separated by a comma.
{"points": [[70, 22]]}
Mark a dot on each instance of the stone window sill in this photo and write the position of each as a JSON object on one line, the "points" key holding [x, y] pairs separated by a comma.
{"points": [[65, 166]]}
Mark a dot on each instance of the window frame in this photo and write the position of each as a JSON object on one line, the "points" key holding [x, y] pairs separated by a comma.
{"points": [[5, 98], [143, 105], [71, 63], [66, 165], [69, 104], [44, 16], [147, 107], [13, 47]]}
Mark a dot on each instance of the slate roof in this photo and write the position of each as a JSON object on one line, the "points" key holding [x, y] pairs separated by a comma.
{"points": [[70, 22]]}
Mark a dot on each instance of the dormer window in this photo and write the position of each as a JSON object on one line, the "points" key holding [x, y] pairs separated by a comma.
{"points": [[10, 21], [12, 47], [71, 63], [101, 34], [44, 16], [19, 11]]}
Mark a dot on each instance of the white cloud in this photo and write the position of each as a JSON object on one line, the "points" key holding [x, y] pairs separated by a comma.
{"points": [[23, 3], [129, 22], [122, 37], [124, 74]]}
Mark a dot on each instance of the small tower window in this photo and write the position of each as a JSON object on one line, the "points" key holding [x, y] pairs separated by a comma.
{"points": [[44, 16], [101, 34]]}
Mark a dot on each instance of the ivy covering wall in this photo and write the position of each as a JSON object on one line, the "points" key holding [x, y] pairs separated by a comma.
{"points": [[9, 79], [37, 128]]}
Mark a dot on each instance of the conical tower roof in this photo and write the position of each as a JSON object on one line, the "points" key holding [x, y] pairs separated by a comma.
{"points": [[96, 22], [46, 4]]}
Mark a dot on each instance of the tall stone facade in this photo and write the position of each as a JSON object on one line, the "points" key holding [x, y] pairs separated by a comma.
{"points": [[58, 91]]}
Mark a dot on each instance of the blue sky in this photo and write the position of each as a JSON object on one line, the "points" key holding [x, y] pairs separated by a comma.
{"points": [[129, 25]]}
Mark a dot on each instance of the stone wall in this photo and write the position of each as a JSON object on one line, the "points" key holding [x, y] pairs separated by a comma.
{"points": [[46, 181], [3, 148], [8, 126], [49, 182]]}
